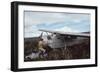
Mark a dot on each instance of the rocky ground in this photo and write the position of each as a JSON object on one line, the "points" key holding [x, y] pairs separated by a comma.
{"points": [[77, 51]]}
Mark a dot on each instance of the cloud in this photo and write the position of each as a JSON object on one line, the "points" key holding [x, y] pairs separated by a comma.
{"points": [[34, 18], [66, 29], [33, 34]]}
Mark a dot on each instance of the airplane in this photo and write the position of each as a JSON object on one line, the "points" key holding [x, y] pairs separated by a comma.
{"points": [[60, 39]]}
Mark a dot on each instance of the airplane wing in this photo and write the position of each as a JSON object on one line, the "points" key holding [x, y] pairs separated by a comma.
{"points": [[67, 33]]}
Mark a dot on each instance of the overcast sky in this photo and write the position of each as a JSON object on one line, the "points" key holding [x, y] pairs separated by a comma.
{"points": [[67, 22]]}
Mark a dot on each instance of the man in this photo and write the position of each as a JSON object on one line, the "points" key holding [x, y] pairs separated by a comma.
{"points": [[40, 47]]}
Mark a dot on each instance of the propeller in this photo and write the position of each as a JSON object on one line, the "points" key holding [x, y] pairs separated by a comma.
{"points": [[49, 37]]}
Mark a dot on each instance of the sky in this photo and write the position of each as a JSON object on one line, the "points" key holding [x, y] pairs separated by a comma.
{"points": [[57, 21]]}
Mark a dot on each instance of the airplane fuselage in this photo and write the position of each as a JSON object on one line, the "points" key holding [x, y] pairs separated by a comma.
{"points": [[59, 41]]}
